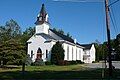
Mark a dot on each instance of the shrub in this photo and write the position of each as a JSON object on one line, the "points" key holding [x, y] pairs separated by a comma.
{"points": [[57, 55], [79, 62], [95, 61], [28, 60], [61, 62], [66, 62], [48, 63], [38, 62], [73, 62]]}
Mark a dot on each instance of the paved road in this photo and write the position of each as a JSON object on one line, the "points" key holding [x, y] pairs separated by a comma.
{"points": [[102, 65]]}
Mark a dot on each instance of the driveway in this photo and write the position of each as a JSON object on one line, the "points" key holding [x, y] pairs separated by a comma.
{"points": [[116, 64]]}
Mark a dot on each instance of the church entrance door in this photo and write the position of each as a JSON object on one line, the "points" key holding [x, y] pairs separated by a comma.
{"points": [[39, 54]]}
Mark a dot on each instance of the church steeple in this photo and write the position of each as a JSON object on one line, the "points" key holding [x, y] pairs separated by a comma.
{"points": [[42, 16], [42, 23]]}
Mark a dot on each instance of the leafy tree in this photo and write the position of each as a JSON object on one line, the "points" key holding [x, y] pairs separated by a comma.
{"points": [[13, 28], [12, 52], [29, 32], [62, 32], [117, 46], [57, 54], [54, 29], [68, 35]]}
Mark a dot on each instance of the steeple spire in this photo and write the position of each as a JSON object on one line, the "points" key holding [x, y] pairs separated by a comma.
{"points": [[42, 16]]}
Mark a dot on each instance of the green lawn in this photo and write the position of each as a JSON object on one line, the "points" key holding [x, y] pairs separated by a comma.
{"points": [[54, 72]]}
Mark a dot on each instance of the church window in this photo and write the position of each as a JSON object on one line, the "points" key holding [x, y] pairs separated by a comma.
{"points": [[76, 53], [79, 54], [67, 52], [31, 54], [72, 53], [46, 53]]}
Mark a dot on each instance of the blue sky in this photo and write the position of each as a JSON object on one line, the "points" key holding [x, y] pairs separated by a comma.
{"points": [[84, 21]]}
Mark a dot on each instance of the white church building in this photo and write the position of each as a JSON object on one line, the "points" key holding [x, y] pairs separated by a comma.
{"points": [[41, 43]]}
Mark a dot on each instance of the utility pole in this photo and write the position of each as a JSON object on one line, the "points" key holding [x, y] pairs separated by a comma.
{"points": [[108, 37]]}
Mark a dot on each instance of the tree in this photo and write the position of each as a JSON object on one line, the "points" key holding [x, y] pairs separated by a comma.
{"points": [[117, 46], [13, 28], [68, 35], [12, 52], [61, 31], [57, 54], [29, 32]]}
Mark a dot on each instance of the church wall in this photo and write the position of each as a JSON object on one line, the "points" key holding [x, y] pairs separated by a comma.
{"points": [[87, 53], [92, 53], [38, 42], [78, 55], [48, 46], [66, 50], [81, 54], [42, 28], [72, 52]]}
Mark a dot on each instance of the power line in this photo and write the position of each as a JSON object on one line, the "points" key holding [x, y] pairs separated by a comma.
{"points": [[113, 21], [79, 0], [113, 2], [112, 16]]}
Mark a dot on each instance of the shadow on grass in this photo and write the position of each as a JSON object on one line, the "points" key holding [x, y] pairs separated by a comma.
{"points": [[85, 74]]}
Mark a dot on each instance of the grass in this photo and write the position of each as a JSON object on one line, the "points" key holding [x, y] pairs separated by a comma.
{"points": [[55, 68], [54, 72]]}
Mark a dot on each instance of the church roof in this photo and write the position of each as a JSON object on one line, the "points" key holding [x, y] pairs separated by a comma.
{"points": [[86, 46], [64, 37], [46, 36]]}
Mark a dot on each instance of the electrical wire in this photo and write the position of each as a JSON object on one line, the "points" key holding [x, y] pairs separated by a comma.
{"points": [[113, 21], [79, 0], [113, 3]]}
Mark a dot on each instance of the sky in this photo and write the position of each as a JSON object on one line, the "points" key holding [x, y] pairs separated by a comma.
{"points": [[85, 21]]}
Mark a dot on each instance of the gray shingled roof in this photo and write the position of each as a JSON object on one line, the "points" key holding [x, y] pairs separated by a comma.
{"points": [[63, 36], [46, 35], [86, 46]]}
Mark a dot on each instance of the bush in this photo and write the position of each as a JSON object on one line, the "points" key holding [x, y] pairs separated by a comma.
{"points": [[28, 60], [95, 61], [57, 55], [79, 62], [66, 62], [38, 62], [61, 62], [73, 62], [48, 63]]}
